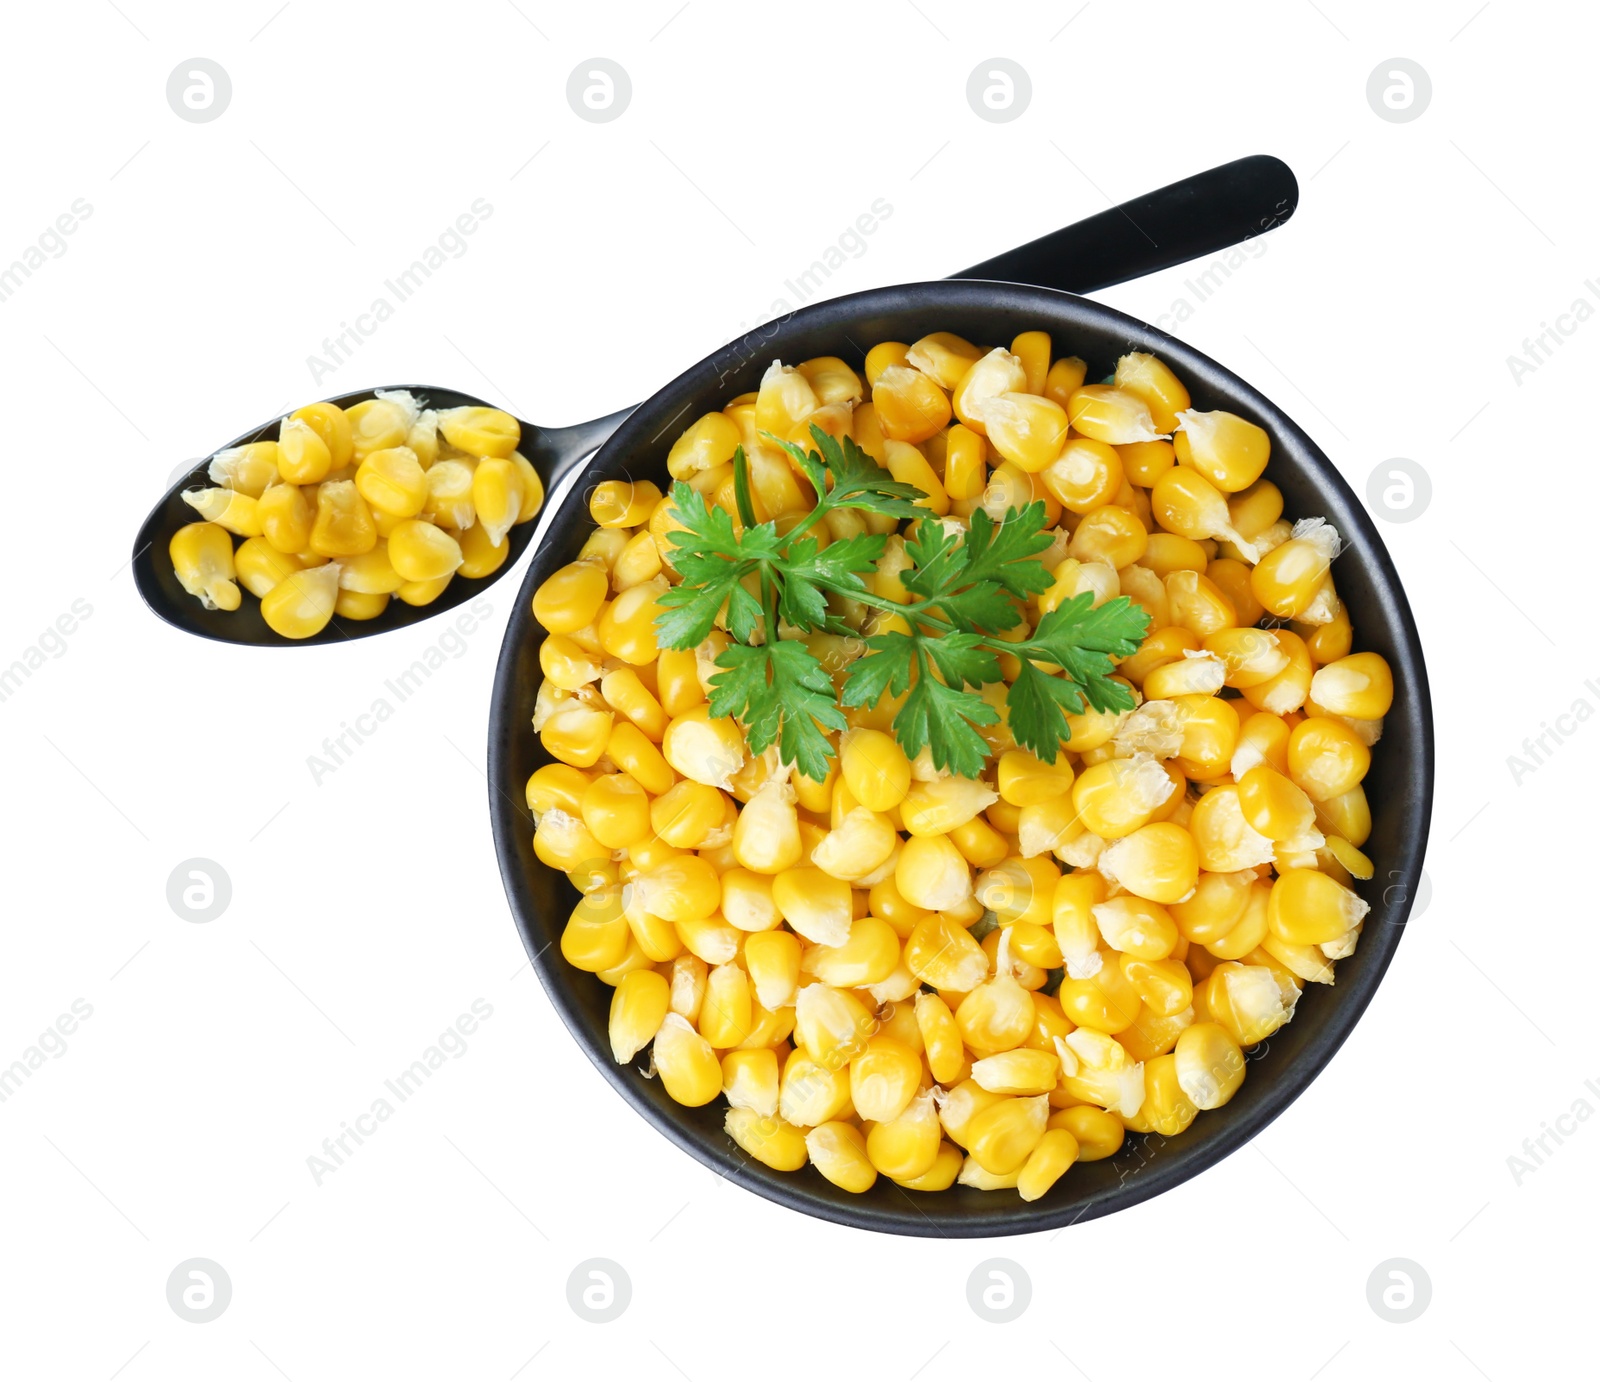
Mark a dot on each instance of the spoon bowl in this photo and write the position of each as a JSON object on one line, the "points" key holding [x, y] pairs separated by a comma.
{"points": [[553, 451]]}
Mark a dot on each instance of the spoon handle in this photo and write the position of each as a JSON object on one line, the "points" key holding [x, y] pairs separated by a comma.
{"points": [[558, 450], [1196, 216]]}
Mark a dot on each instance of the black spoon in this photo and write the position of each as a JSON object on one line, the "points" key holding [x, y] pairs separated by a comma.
{"points": [[1199, 215]]}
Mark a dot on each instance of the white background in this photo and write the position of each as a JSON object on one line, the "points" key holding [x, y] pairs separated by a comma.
{"points": [[367, 913]]}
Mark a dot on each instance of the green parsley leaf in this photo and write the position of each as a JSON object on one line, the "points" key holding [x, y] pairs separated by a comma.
{"points": [[943, 717], [779, 691]]}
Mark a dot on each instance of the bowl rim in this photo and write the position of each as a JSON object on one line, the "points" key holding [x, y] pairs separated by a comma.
{"points": [[645, 428]]}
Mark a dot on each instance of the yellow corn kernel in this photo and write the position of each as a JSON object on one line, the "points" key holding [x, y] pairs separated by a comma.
{"points": [[1309, 908], [999, 372], [393, 480], [906, 1147], [1208, 1064], [1026, 429], [1105, 413], [359, 604], [1255, 508], [329, 422], [623, 503], [1230, 451], [1109, 534], [839, 1152], [1157, 862], [557, 787], [772, 959], [944, 357], [831, 1025], [627, 628], [497, 496], [571, 597], [1149, 379], [1327, 758], [1210, 735], [930, 873], [479, 556], [682, 888], [909, 404], [1276, 808], [418, 551], [203, 561], [686, 814], [231, 509], [1003, 1136], [1289, 578], [259, 565], [638, 1008], [379, 423], [883, 1079], [1198, 605], [941, 1037], [1098, 1134], [596, 935], [819, 908], [704, 444], [480, 431], [616, 810], [1019, 889], [1249, 1002], [1065, 378], [812, 1093], [867, 956], [1086, 475], [1347, 815], [343, 526], [726, 1012], [638, 561], [285, 517], [250, 469], [1360, 686], [964, 466], [303, 455], [686, 978], [1136, 926], [750, 1080], [766, 837], [302, 603], [1286, 692], [576, 733], [881, 356], [1021, 1070], [688, 1067], [422, 438], [449, 501], [909, 466], [711, 938], [1167, 1108], [1050, 1159], [1118, 796], [944, 955], [532, 488], [1232, 578], [875, 768], [861, 843], [424, 592]]}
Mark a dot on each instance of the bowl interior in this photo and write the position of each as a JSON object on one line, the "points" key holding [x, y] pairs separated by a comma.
{"points": [[1399, 786], [158, 584]]}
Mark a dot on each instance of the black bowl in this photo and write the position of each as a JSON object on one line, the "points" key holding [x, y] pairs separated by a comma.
{"points": [[1400, 785]]}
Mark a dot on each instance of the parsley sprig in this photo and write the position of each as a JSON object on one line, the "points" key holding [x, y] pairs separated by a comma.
{"points": [[967, 590]]}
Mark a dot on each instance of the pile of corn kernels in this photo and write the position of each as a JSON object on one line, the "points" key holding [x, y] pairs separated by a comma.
{"points": [[896, 972], [352, 505]]}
